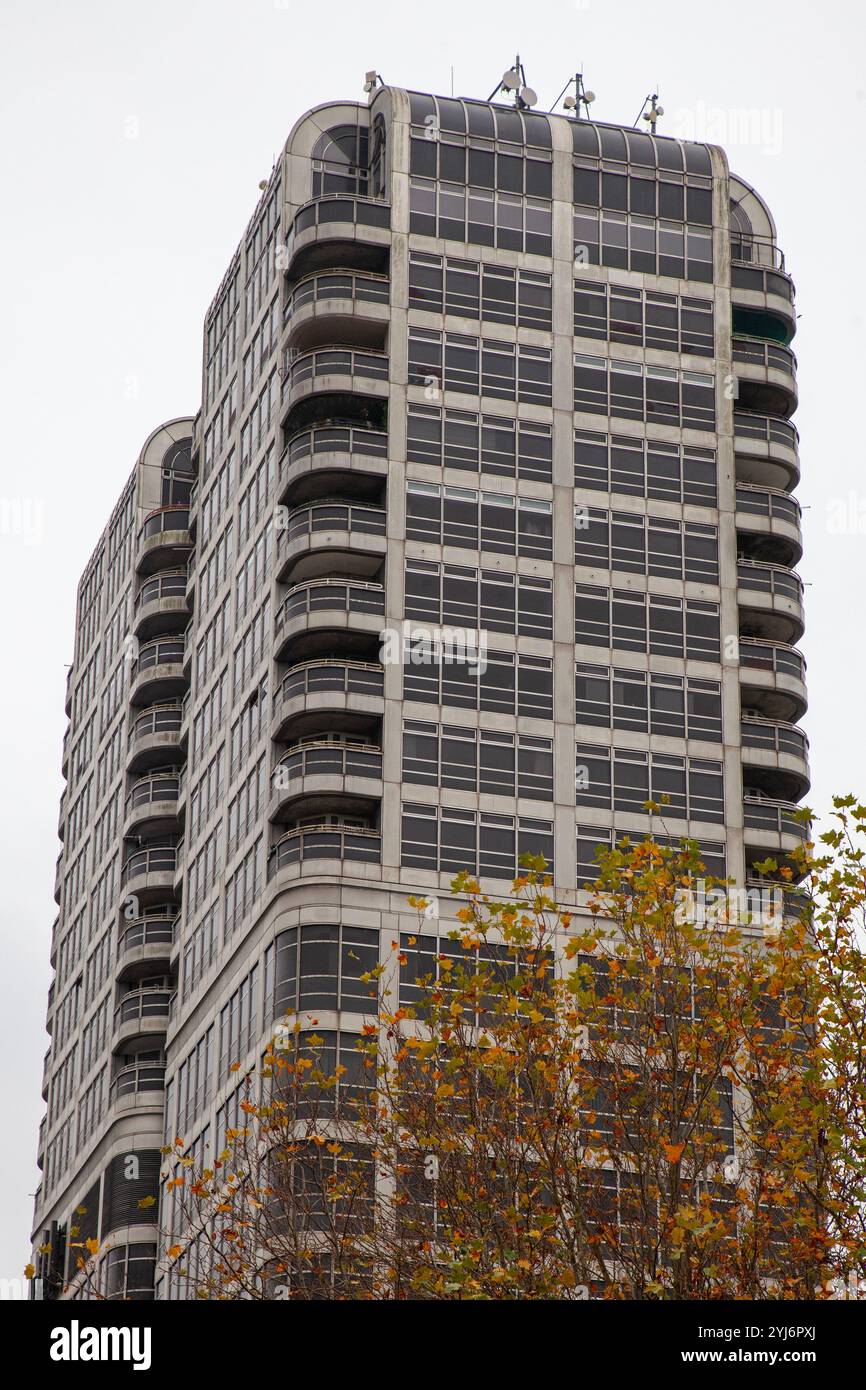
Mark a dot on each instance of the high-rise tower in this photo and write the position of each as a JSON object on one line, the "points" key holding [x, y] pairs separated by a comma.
{"points": [[491, 539]]}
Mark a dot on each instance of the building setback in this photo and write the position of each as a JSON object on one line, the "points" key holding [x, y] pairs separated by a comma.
{"points": [[523, 378]]}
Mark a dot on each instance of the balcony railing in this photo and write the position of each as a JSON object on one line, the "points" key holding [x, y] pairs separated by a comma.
{"points": [[332, 678], [775, 816], [157, 930], [329, 758], [334, 439], [766, 428], [140, 1076], [162, 652], [759, 353], [141, 1004], [336, 361], [325, 842], [342, 595], [367, 212], [772, 503], [155, 859], [747, 275], [165, 519], [169, 584], [158, 719], [757, 577], [775, 737], [162, 787], [334, 516], [755, 249], [772, 656], [346, 284]]}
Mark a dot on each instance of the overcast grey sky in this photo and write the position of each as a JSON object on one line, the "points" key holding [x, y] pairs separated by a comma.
{"points": [[133, 140]]}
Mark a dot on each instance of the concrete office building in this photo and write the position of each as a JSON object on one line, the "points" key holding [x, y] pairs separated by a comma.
{"points": [[471, 367]]}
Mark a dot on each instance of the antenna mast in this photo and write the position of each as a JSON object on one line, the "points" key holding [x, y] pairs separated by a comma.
{"points": [[581, 98]]}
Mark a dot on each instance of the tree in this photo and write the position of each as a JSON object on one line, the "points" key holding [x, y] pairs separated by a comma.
{"points": [[645, 1101]]}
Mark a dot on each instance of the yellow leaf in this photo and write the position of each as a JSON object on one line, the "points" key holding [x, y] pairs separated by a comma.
{"points": [[29, 1271], [673, 1152], [147, 1202]]}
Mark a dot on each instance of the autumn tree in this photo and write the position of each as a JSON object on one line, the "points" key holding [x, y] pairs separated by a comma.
{"points": [[632, 1101]]}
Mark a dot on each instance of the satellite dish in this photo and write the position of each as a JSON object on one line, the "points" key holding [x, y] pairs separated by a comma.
{"points": [[569, 103], [511, 80], [528, 96], [589, 96]]}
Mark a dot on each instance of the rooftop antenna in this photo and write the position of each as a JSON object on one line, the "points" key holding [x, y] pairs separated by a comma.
{"points": [[514, 80], [579, 98], [372, 80], [654, 111]]}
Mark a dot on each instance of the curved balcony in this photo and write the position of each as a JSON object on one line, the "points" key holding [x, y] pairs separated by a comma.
{"points": [[339, 230], [55, 932], [333, 458], [64, 756], [158, 672], [331, 379], [317, 772], [766, 375], [137, 1079], [773, 679], [58, 878], [153, 801], [347, 692], [770, 519], [762, 291], [61, 816], [317, 609], [321, 537], [148, 873], [160, 604], [335, 840], [770, 827], [770, 599], [67, 703], [777, 757], [46, 1074], [142, 1012], [145, 944], [154, 737], [164, 539], [766, 451], [344, 306]]}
